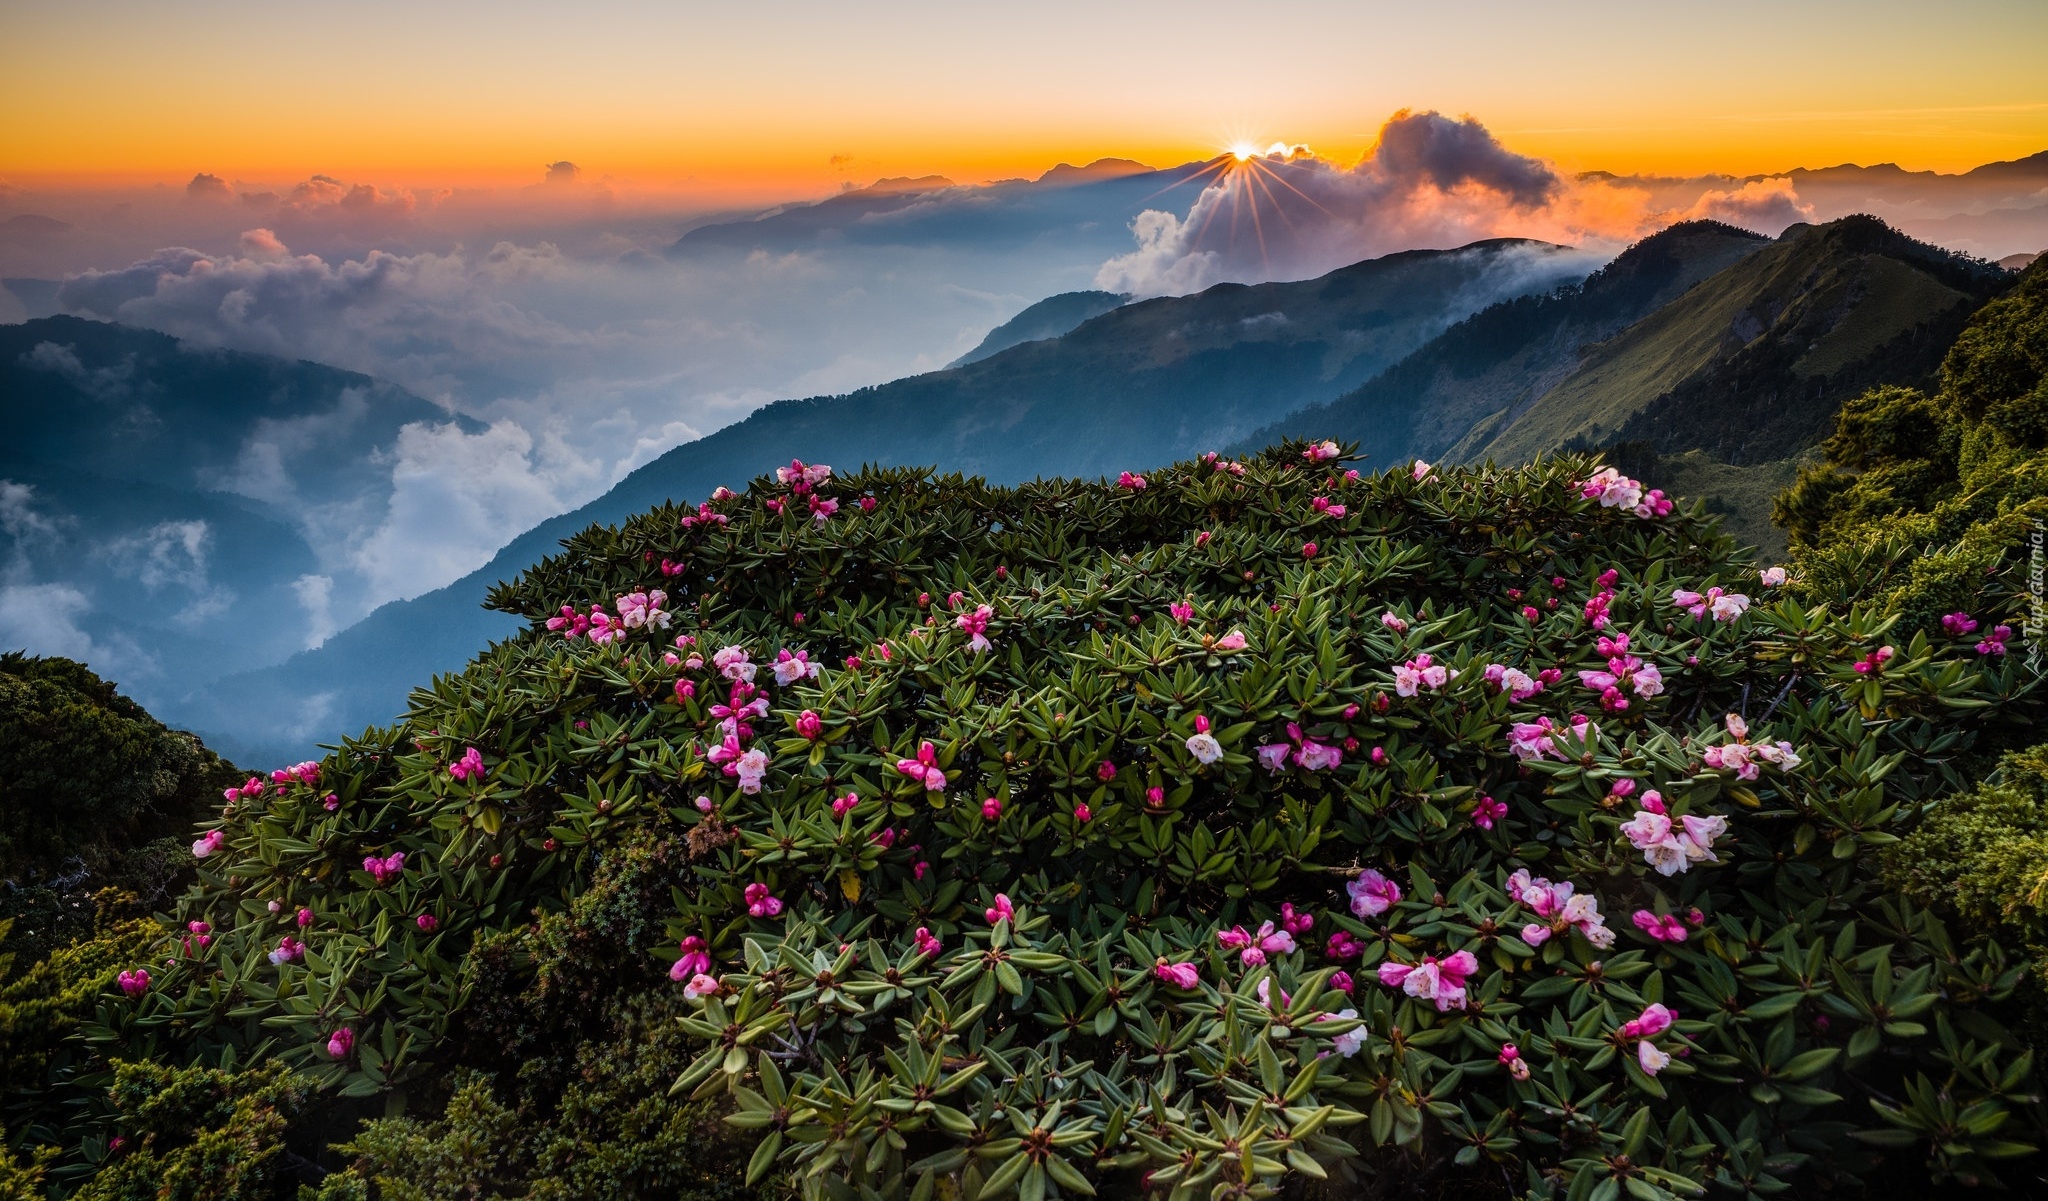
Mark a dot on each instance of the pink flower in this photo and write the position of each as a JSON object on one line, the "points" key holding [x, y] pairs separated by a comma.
{"points": [[340, 1043], [1202, 538], [1419, 673], [927, 942], [305, 918], [1308, 550], [134, 983], [1563, 907], [1179, 975], [1994, 643], [809, 725], [701, 985], [1135, 483], [1230, 643], [427, 923], [991, 808], [1342, 982], [1273, 757], [1511, 1058], [288, 949], [733, 664], [1372, 894], [791, 666], [750, 767], [1772, 577], [1666, 928], [1106, 770], [1081, 813], [762, 903], [924, 769], [703, 804], [1294, 921], [1000, 911], [210, 843], [1488, 812], [1317, 756], [841, 806], [384, 870], [1342, 946], [1321, 451], [975, 626], [1442, 981], [1181, 612], [642, 610], [695, 959]]}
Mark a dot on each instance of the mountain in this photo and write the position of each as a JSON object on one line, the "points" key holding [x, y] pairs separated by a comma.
{"points": [[1088, 207], [1049, 318], [1751, 365], [1141, 384], [1504, 357], [1713, 356], [213, 485]]}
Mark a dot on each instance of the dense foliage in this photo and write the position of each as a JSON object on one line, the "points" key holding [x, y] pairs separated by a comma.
{"points": [[1208, 832], [1931, 504]]}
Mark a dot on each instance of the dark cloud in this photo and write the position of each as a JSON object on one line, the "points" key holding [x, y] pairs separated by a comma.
{"points": [[210, 188]]}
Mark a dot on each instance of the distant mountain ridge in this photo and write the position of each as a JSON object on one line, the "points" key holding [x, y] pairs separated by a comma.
{"points": [[1049, 318]]}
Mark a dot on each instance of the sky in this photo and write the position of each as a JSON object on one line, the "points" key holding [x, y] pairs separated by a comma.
{"points": [[792, 97]]}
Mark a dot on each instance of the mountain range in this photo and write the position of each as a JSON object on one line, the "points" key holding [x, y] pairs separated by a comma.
{"points": [[1706, 356]]}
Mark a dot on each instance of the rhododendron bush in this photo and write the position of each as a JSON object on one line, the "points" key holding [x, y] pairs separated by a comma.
{"points": [[1201, 833]]}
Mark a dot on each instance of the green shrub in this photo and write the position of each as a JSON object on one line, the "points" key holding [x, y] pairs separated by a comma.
{"points": [[1984, 853], [1926, 505], [1825, 1031], [196, 1134]]}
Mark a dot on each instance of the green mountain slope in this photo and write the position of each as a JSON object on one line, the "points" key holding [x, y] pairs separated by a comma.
{"points": [[1494, 364], [1751, 365]]}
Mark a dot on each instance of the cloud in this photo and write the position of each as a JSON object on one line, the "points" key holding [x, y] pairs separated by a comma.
{"points": [[43, 619], [564, 172], [315, 594], [169, 554], [1430, 181], [25, 528], [455, 499], [262, 243], [1766, 206], [208, 188]]}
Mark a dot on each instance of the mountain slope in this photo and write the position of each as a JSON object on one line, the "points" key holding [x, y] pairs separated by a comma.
{"points": [[1049, 318], [1498, 361], [1142, 384], [1751, 366]]}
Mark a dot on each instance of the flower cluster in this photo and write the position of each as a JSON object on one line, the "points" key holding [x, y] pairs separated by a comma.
{"points": [[1562, 907], [1672, 846], [1725, 606], [1419, 673], [1625, 674], [1745, 759], [1616, 491]]}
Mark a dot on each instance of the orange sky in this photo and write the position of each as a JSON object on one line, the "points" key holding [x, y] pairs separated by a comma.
{"points": [[796, 96]]}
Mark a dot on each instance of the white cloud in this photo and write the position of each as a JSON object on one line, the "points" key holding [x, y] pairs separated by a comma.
{"points": [[1765, 206], [43, 619], [314, 593], [455, 499]]}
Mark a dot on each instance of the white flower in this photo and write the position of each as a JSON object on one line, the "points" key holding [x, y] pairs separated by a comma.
{"points": [[1205, 748]]}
